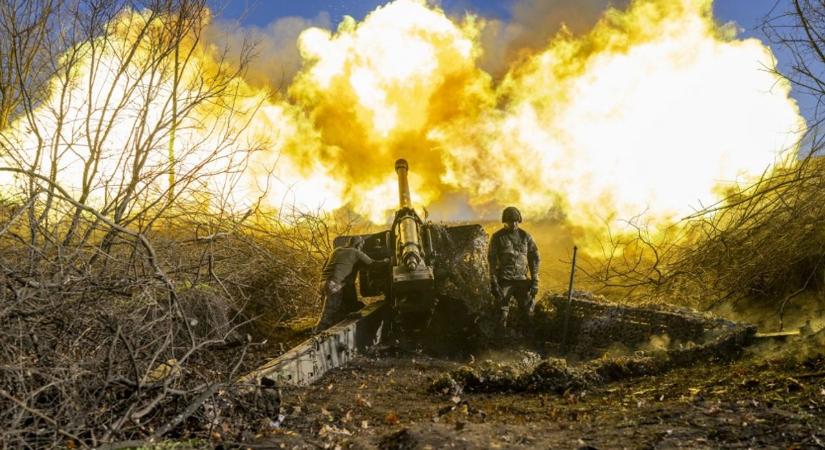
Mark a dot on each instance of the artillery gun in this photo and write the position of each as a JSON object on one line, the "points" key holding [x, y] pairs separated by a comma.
{"points": [[409, 282], [435, 289]]}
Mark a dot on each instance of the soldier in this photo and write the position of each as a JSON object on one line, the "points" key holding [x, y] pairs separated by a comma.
{"points": [[512, 254], [339, 266]]}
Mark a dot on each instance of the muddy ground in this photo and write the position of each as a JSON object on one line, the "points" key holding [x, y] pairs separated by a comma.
{"points": [[383, 401]]}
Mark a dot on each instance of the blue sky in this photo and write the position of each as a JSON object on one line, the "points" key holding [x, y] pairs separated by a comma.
{"points": [[265, 11], [747, 14]]}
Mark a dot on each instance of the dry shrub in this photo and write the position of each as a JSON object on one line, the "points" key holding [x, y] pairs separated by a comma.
{"points": [[129, 282], [763, 243], [114, 345]]}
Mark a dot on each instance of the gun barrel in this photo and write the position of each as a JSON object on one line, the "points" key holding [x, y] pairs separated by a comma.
{"points": [[401, 168], [409, 239], [413, 278]]}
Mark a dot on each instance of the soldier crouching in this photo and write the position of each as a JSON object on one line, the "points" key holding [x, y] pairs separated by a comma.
{"points": [[339, 266]]}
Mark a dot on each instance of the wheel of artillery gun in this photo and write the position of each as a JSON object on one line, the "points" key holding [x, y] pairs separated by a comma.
{"points": [[412, 317]]}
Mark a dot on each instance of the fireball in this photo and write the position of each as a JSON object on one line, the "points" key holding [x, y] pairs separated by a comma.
{"points": [[650, 112]]}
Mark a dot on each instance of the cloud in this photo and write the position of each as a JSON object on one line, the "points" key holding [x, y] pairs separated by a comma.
{"points": [[275, 56], [533, 25]]}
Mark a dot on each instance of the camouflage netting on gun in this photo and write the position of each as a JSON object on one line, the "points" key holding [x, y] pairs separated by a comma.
{"points": [[703, 338], [461, 270], [462, 286], [594, 324]]}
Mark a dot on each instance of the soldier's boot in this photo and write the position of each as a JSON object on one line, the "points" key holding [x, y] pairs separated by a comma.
{"points": [[524, 327], [332, 308], [526, 313]]}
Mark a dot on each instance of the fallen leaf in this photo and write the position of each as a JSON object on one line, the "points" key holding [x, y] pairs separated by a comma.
{"points": [[362, 402], [391, 418], [328, 430]]}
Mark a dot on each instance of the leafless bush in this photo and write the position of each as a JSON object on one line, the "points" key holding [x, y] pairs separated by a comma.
{"points": [[799, 28], [635, 261], [763, 242], [126, 270]]}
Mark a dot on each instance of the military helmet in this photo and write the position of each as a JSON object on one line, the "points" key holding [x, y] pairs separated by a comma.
{"points": [[355, 242], [510, 214]]}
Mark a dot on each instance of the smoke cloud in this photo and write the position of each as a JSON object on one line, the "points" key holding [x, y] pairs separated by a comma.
{"points": [[275, 58], [643, 109], [533, 24]]}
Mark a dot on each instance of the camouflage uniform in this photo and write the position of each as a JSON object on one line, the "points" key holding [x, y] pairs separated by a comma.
{"points": [[511, 255], [335, 278]]}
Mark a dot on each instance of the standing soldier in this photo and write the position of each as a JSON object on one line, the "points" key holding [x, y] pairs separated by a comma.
{"points": [[339, 266], [512, 254]]}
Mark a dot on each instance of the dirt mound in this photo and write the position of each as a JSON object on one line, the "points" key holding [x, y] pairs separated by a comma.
{"points": [[596, 325]]}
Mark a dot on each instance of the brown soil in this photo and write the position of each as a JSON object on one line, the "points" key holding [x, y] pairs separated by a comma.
{"points": [[385, 402]]}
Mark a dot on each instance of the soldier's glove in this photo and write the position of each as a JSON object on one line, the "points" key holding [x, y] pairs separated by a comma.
{"points": [[534, 288], [384, 261]]}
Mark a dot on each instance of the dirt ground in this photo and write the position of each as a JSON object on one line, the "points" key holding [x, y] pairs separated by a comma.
{"points": [[382, 401]]}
